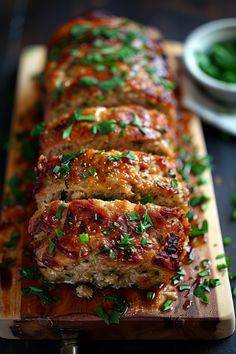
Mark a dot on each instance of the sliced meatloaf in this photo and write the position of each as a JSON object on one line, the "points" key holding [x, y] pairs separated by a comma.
{"points": [[135, 176], [114, 243], [126, 127], [91, 64]]}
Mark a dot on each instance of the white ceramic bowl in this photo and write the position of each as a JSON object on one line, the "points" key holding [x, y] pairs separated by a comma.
{"points": [[200, 40]]}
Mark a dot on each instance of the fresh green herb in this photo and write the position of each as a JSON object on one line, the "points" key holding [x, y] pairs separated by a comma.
{"points": [[144, 224], [234, 291], [118, 157], [105, 127], [184, 287], [29, 272], [200, 163], [232, 275], [145, 242], [233, 214], [227, 241], [219, 256], [200, 292], [78, 117], [167, 84], [59, 232], [111, 84], [163, 130], [116, 224], [83, 175], [225, 265], [119, 307], [66, 132], [65, 167], [167, 306], [107, 232], [204, 273], [14, 239], [147, 199], [150, 295], [205, 263], [177, 277], [213, 283], [233, 199], [92, 172], [51, 246], [133, 216], [174, 182], [199, 231], [137, 123], [38, 129], [41, 294], [101, 97], [88, 81], [84, 238], [58, 91], [59, 211], [125, 242], [198, 200]]}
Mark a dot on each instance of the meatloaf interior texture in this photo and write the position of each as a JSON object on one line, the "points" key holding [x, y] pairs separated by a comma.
{"points": [[135, 176], [111, 202], [115, 243]]}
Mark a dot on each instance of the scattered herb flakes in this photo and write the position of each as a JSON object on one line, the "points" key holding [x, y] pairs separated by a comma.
{"points": [[219, 256], [232, 275], [200, 292], [125, 242], [51, 246], [145, 241], [11, 244], [233, 199], [65, 166], [59, 233], [167, 306], [234, 291], [137, 123], [60, 211], [150, 295], [198, 200], [88, 81], [78, 117], [66, 132], [58, 91], [119, 307], [213, 283], [105, 127], [118, 157], [42, 294], [195, 231], [200, 163], [227, 241], [147, 199], [83, 175], [7, 262], [144, 224], [184, 287], [205, 263], [227, 264], [204, 273], [84, 237], [233, 215], [37, 129], [174, 182], [93, 172], [29, 272]]}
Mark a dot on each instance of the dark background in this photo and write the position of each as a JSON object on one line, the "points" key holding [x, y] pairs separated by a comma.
{"points": [[25, 22]]}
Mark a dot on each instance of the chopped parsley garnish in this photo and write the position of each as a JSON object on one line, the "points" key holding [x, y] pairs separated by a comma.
{"points": [[227, 241], [203, 288], [111, 84], [199, 231], [167, 84], [84, 238], [233, 199], [184, 287], [41, 294], [119, 307], [150, 295], [66, 132], [137, 123], [144, 224], [59, 211], [198, 200], [133, 216], [51, 246], [227, 264], [88, 81], [232, 275], [65, 166], [174, 182], [234, 291], [59, 233], [14, 239], [147, 199], [145, 241], [204, 273], [92, 172], [167, 306], [83, 175], [105, 127], [78, 117], [125, 242], [118, 157], [29, 272], [38, 129], [58, 91], [199, 164], [219, 256]]}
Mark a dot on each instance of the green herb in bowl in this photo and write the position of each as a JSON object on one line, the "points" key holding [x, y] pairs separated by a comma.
{"points": [[219, 61]]}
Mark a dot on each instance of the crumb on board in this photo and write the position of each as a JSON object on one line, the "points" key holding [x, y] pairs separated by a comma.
{"points": [[84, 291]]}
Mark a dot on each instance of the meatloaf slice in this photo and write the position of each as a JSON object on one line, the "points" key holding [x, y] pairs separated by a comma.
{"points": [[114, 243], [90, 64], [126, 127], [135, 176]]}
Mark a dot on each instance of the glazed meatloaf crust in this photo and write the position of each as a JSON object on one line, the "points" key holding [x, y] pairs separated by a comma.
{"points": [[125, 127], [114, 243], [96, 61], [135, 176]]}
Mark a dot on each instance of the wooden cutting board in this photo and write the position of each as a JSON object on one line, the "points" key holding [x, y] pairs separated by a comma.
{"points": [[24, 317]]}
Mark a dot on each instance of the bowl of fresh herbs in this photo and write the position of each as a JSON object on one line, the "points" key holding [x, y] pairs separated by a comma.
{"points": [[210, 57]]}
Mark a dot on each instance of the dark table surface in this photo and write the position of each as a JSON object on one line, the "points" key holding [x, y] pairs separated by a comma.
{"points": [[25, 22]]}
